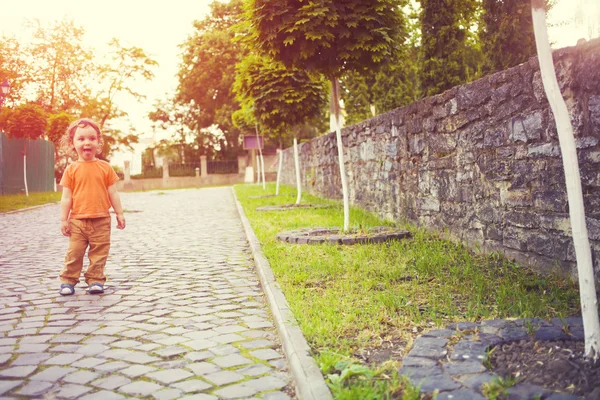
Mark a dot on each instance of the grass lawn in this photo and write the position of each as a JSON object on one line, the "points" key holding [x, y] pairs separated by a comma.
{"points": [[18, 201], [354, 303]]}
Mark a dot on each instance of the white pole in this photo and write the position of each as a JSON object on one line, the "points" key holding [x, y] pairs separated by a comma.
{"points": [[297, 165], [280, 156], [340, 148], [25, 173], [583, 255]]}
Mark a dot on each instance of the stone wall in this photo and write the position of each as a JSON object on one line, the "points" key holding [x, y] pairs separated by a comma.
{"points": [[481, 162]]}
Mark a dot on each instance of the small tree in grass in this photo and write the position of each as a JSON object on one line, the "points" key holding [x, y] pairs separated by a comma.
{"points": [[583, 254], [329, 37], [27, 121], [281, 99]]}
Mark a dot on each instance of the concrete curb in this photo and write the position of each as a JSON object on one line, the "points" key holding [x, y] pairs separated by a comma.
{"points": [[310, 384], [29, 208]]}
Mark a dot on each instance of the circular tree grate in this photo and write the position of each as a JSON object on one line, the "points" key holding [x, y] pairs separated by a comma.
{"points": [[378, 234]]}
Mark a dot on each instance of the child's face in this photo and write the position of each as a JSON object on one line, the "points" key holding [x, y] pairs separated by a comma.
{"points": [[86, 143]]}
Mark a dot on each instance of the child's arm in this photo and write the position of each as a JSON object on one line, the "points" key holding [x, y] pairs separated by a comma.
{"points": [[115, 201], [66, 202]]}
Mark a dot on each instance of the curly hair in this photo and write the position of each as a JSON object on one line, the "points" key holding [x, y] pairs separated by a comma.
{"points": [[67, 140]]}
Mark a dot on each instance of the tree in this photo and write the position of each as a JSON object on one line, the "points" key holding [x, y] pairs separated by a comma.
{"points": [[506, 34], [583, 254], [393, 86], [13, 68], [57, 126], [125, 65], [329, 37], [445, 29], [27, 121], [280, 98], [60, 66], [207, 73]]}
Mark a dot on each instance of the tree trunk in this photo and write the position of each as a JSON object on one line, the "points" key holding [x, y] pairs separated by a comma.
{"points": [[261, 160], [297, 165], [583, 255], [335, 99], [280, 157]]}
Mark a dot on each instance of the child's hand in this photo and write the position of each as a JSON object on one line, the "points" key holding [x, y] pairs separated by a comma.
{"points": [[65, 228], [120, 221]]}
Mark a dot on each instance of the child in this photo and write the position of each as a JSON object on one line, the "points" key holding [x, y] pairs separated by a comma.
{"points": [[88, 192]]}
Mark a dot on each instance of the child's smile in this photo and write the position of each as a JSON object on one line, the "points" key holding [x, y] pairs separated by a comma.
{"points": [[86, 143]]}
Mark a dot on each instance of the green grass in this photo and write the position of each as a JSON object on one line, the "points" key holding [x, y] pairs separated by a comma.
{"points": [[351, 299], [18, 201]]}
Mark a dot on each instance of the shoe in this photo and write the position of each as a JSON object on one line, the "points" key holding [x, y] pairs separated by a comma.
{"points": [[66, 289], [96, 288]]}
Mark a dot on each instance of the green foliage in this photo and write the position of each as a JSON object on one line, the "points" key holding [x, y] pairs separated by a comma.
{"points": [[447, 52], [57, 126], [27, 121], [497, 388], [207, 73], [506, 35], [278, 98], [329, 36], [394, 85]]}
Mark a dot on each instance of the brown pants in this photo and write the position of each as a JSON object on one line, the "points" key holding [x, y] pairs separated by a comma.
{"points": [[94, 232]]}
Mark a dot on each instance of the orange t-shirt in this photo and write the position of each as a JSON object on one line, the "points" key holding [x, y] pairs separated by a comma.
{"points": [[89, 182]]}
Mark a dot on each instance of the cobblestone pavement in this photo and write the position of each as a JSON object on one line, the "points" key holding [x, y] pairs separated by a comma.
{"points": [[182, 317]]}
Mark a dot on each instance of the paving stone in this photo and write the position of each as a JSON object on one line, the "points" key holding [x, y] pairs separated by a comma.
{"points": [[32, 348], [254, 370], [222, 378], [464, 367], [203, 368], [429, 348], [128, 355], [64, 359], [52, 374], [18, 372], [111, 366], [193, 385], [112, 382], [429, 384], [67, 338], [231, 360], [199, 355], [140, 388], [92, 349], [236, 391], [256, 344], [469, 350], [103, 395], [71, 391], [170, 351], [201, 344], [67, 348], [89, 362], [30, 359], [167, 394], [224, 350], [266, 383], [6, 386], [5, 357], [265, 354], [460, 394], [81, 377], [34, 388], [476, 381], [136, 370], [169, 376], [200, 396]]}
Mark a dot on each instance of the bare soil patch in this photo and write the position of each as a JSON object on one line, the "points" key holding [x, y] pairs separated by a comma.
{"points": [[554, 365]]}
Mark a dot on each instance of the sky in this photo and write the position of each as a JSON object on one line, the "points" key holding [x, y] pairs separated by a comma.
{"points": [[159, 27]]}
